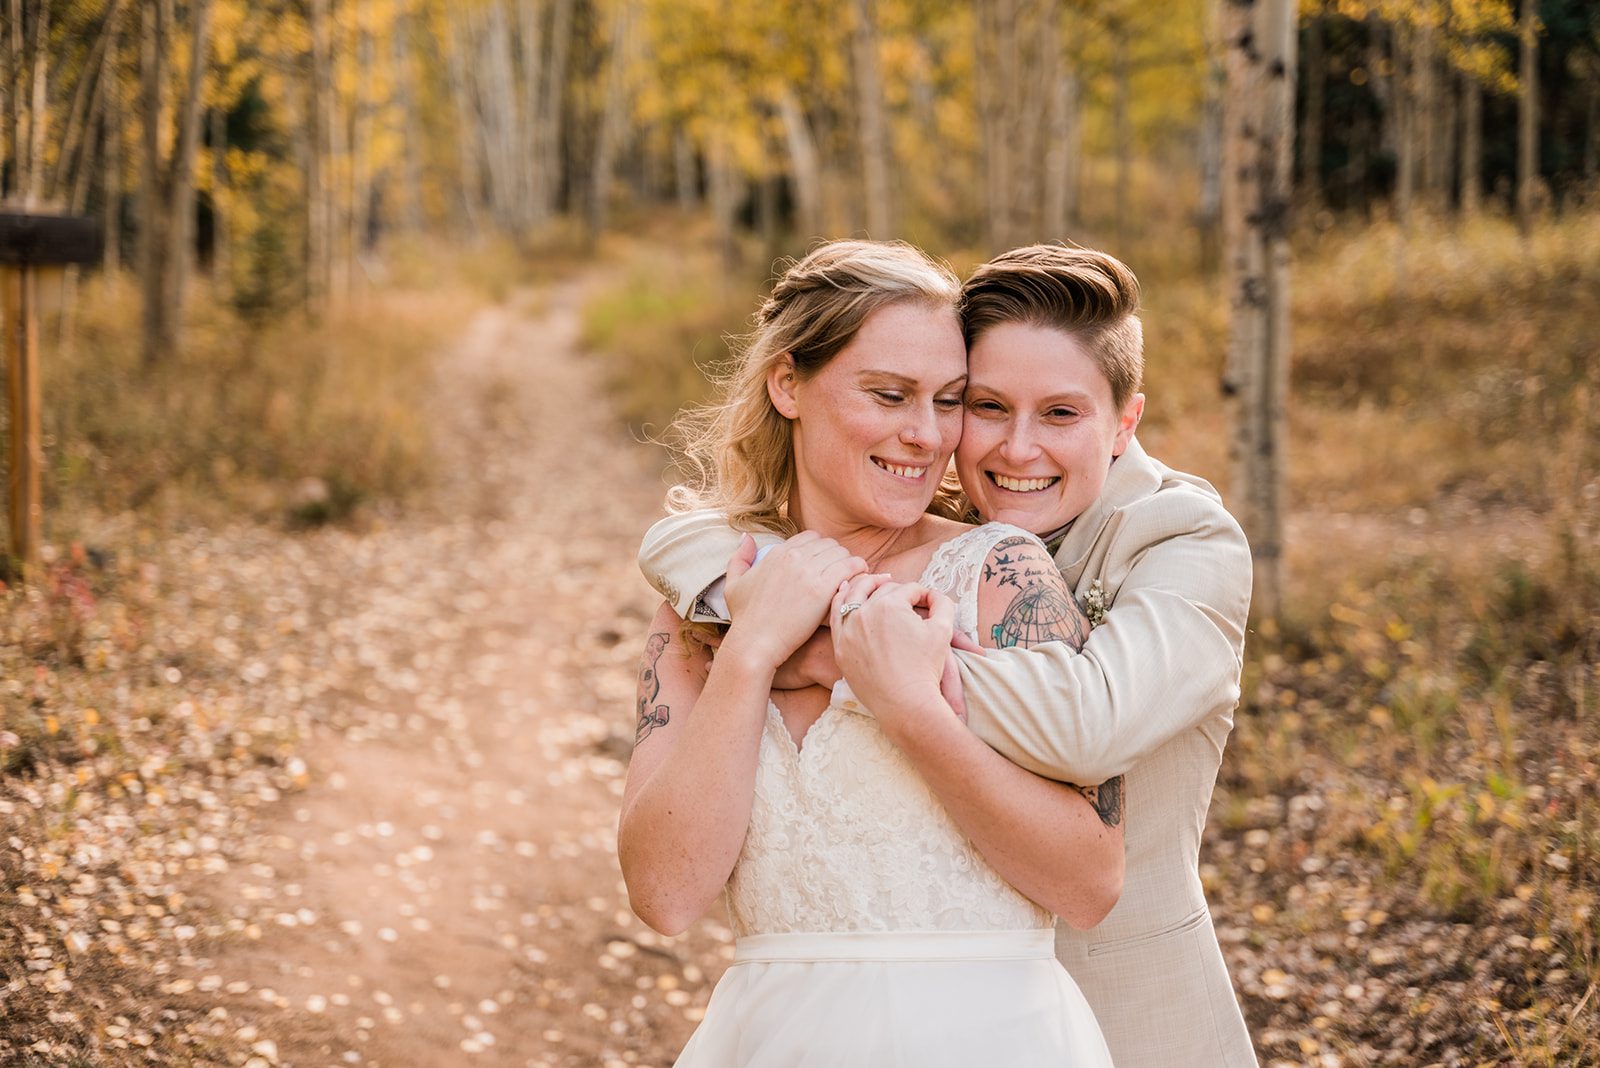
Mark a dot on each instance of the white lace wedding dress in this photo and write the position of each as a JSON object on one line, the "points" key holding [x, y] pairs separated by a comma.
{"points": [[870, 931]]}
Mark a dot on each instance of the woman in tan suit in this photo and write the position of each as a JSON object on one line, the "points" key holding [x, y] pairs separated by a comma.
{"points": [[1051, 408]]}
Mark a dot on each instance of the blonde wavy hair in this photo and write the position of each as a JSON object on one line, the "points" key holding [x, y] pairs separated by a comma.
{"points": [[738, 451]]}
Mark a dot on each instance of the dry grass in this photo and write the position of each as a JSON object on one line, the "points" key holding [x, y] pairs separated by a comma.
{"points": [[264, 417]]}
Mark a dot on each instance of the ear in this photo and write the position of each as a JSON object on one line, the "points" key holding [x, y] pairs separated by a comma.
{"points": [[1127, 423], [781, 383]]}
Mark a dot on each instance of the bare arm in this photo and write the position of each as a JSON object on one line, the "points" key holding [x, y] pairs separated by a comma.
{"points": [[1059, 844], [692, 777], [1166, 658], [691, 781]]}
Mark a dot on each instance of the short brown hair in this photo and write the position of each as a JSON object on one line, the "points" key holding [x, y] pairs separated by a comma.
{"points": [[1087, 294]]}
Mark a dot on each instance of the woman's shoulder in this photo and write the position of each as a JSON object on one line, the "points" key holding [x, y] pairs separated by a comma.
{"points": [[990, 537]]}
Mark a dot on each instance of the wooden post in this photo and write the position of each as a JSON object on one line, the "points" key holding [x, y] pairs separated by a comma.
{"points": [[21, 287], [27, 242]]}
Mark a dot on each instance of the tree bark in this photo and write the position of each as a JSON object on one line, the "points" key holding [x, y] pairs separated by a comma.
{"points": [[553, 104], [1591, 133], [361, 169], [39, 114], [410, 122], [804, 168], [1259, 181], [1471, 145], [111, 119], [1122, 127], [1447, 141], [1208, 216], [983, 44], [221, 206], [1311, 130], [86, 103], [455, 48], [1527, 118], [873, 131], [1424, 72], [684, 177], [319, 164], [16, 117], [724, 184], [1062, 158], [530, 24], [611, 122], [8, 91], [181, 220], [1404, 103], [153, 223]]}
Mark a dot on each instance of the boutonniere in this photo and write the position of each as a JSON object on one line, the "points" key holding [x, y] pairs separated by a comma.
{"points": [[1095, 603]]}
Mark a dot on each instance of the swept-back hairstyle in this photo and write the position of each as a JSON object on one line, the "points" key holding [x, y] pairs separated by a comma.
{"points": [[1087, 294], [738, 451]]}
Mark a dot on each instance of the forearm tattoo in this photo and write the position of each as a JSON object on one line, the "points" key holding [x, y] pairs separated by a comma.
{"points": [[1041, 611], [1106, 799], [651, 715]]}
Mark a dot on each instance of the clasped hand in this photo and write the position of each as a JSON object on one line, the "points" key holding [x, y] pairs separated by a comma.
{"points": [[775, 607], [895, 650]]}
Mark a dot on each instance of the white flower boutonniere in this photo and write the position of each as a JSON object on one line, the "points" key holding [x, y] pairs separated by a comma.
{"points": [[1095, 603]]}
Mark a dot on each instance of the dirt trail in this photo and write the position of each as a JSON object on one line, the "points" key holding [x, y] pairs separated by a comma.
{"points": [[445, 891]]}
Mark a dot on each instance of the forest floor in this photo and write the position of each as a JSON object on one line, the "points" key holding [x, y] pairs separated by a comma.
{"points": [[454, 850], [426, 875], [373, 819]]}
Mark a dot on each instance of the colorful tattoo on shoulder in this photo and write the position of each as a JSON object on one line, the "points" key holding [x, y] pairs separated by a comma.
{"points": [[651, 715], [1040, 611]]}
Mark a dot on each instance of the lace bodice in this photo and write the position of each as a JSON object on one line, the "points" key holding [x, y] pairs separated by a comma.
{"points": [[845, 836]]}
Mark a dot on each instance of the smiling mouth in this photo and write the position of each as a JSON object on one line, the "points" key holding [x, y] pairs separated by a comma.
{"points": [[1021, 485], [903, 470]]}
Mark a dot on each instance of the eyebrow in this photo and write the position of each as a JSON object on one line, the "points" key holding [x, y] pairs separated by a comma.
{"points": [[957, 382], [1073, 396]]}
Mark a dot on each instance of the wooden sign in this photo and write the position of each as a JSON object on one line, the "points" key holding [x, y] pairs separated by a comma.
{"points": [[27, 242]]}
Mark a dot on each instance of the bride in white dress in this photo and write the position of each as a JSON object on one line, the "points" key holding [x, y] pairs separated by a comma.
{"points": [[892, 881]]}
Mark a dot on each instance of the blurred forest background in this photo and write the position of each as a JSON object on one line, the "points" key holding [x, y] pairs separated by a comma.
{"points": [[305, 203]]}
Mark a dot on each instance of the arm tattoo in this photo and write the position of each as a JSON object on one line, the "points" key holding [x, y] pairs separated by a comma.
{"points": [[1106, 799], [1040, 611], [649, 687]]}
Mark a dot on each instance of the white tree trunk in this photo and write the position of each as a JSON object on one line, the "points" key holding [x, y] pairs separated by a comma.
{"points": [[1261, 130], [873, 130], [804, 168], [1209, 216], [611, 121]]}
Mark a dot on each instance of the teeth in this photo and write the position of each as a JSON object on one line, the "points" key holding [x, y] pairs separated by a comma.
{"points": [[1022, 485], [903, 472]]}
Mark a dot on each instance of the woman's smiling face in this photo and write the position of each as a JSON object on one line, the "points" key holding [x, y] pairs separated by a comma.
{"points": [[874, 429], [1040, 429]]}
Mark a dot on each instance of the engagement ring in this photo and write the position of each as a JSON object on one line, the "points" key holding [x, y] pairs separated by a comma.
{"points": [[846, 609]]}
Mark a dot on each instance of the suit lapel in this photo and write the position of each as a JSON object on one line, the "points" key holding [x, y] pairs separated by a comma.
{"points": [[1132, 477]]}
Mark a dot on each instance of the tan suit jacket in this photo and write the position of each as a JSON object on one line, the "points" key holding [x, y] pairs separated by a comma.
{"points": [[1151, 696]]}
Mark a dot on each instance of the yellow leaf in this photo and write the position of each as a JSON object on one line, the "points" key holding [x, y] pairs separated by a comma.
{"points": [[52, 725]]}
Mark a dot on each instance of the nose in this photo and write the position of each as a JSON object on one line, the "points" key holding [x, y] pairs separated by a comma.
{"points": [[1020, 445], [921, 429]]}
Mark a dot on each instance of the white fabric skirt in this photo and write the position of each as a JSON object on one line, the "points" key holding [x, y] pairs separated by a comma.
{"points": [[920, 999]]}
